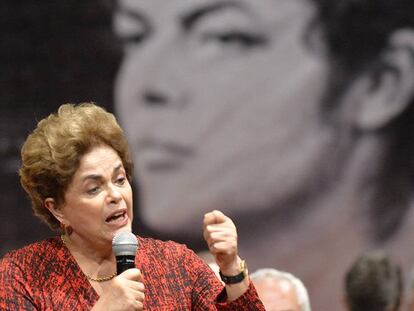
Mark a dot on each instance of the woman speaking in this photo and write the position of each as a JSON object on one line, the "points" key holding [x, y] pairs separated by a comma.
{"points": [[76, 168]]}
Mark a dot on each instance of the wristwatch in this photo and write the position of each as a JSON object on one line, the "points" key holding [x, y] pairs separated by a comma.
{"points": [[235, 278]]}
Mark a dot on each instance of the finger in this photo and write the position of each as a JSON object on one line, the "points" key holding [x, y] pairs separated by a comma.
{"points": [[227, 246], [214, 217], [223, 237], [132, 274], [209, 219], [139, 296], [219, 232], [226, 226], [223, 227], [135, 286], [138, 305], [136, 290], [224, 247]]}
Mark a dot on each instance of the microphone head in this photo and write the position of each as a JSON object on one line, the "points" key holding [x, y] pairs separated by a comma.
{"points": [[124, 243]]}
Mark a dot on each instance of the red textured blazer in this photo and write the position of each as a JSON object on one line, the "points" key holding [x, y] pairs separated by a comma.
{"points": [[45, 276]]}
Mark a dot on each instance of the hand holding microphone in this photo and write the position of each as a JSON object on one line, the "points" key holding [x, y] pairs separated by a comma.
{"points": [[124, 246], [126, 291]]}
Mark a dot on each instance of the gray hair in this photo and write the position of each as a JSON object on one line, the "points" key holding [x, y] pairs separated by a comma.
{"points": [[300, 289]]}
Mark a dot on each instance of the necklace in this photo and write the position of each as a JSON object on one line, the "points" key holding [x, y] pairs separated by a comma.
{"points": [[102, 279]]}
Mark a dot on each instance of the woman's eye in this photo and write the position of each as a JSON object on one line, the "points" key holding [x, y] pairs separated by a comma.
{"points": [[93, 190], [121, 180], [237, 39]]}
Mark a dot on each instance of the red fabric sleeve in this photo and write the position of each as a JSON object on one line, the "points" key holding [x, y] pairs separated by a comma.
{"points": [[13, 294], [208, 292]]}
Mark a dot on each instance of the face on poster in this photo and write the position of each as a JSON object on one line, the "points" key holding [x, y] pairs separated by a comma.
{"points": [[220, 101]]}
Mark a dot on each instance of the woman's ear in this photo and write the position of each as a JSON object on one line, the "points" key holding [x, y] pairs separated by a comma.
{"points": [[55, 209], [387, 91]]}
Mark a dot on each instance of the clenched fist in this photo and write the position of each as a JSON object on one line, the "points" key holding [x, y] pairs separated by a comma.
{"points": [[220, 234]]}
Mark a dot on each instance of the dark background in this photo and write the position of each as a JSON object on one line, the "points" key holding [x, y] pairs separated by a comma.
{"points": [[51, 52]]}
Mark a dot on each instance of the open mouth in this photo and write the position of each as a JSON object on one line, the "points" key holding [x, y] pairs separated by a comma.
{"points": [[117, 217]]}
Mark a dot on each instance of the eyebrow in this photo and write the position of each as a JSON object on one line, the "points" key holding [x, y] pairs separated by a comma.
{"points": [[97, 176], [137, 15], [189, 19]]}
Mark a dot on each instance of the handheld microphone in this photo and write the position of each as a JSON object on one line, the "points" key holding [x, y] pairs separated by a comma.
{"points": [[124, 246]]}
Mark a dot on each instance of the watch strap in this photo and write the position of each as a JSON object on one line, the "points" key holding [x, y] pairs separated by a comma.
{"points": [[235, 278]]}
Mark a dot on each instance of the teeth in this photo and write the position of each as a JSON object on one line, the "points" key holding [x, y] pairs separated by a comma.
{"points": [[115, 217]]}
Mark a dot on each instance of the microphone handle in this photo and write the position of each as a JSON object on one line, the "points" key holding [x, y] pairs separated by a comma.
{"points": [[124, 262]]}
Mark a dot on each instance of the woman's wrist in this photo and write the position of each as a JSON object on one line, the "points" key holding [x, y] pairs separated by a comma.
{"points": [[234, 273]]}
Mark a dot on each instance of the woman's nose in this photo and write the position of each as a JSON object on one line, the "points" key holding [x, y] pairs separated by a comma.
{"points": [[114, 196]]}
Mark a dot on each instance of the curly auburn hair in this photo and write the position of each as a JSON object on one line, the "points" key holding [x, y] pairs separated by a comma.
{"points": [[51, 153]]}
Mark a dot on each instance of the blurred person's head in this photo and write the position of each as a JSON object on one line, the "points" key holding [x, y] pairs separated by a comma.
{"points": [[373, 283], [280, 291], [250, 106], [410, 291]]}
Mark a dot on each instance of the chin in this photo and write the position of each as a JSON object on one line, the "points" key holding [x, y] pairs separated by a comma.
{"points": [[127, 227]]}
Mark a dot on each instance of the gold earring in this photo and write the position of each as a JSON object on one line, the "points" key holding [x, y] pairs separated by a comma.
{"points": [[66, 229]]}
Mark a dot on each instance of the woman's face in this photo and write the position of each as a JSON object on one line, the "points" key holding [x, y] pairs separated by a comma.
{"points": [[98, 201], [220, 102]]}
